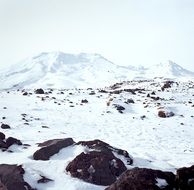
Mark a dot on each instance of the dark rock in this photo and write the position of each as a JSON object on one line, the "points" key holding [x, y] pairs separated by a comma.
{"points": [[92, 93], [44, 179], [101, 146], [143, 179], [119, 108], [167, 84], [164, 114], [155, 98], [96, 167], [51, 147], [2, 186], [11, 178], [132, 91], [25, 94], [130, 101], [5, 126], [3, 145], [44, 126], [143, 117], [2, 136], [10, 141], [39, 91], [84, 101], [103, 91], [116, 91], [185, 178], [3, 117]]}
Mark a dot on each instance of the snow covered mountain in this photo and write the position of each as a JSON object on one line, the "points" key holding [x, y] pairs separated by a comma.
{"points": [[60, 70], [167, 70]]}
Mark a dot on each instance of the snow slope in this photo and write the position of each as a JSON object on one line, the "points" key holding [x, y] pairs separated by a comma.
{"points": [[60, 70], [154, 142], [168, 70]]}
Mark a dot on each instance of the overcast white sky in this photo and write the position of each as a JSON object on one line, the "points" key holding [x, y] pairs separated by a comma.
{"points": [[128, 32]]}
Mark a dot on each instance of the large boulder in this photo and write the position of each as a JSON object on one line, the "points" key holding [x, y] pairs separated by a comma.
{"points": [[185, 178], [99, 165], [144, 179], [11, 178], [99, 145], [51, 147], [96, 167]]}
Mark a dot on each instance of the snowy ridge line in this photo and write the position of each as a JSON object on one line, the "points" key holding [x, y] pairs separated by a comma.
{"points": [[59, 70]]}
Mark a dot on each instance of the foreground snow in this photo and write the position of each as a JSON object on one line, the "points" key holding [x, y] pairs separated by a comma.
{"points": [[154, 142]]}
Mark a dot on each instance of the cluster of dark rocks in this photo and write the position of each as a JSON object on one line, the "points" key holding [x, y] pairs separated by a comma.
{"points": [[101, 164], [36, 91], [149, 179], [143, 179], [167, 84], [98, 165]]}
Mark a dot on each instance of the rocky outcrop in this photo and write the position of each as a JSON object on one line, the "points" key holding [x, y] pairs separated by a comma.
{"points": [[99, 145], [144, 179], [99, 168], [98, 165]]}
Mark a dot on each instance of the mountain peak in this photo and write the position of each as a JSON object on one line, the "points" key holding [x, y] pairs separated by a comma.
{"points": [[169, 64], [64, 70]]}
